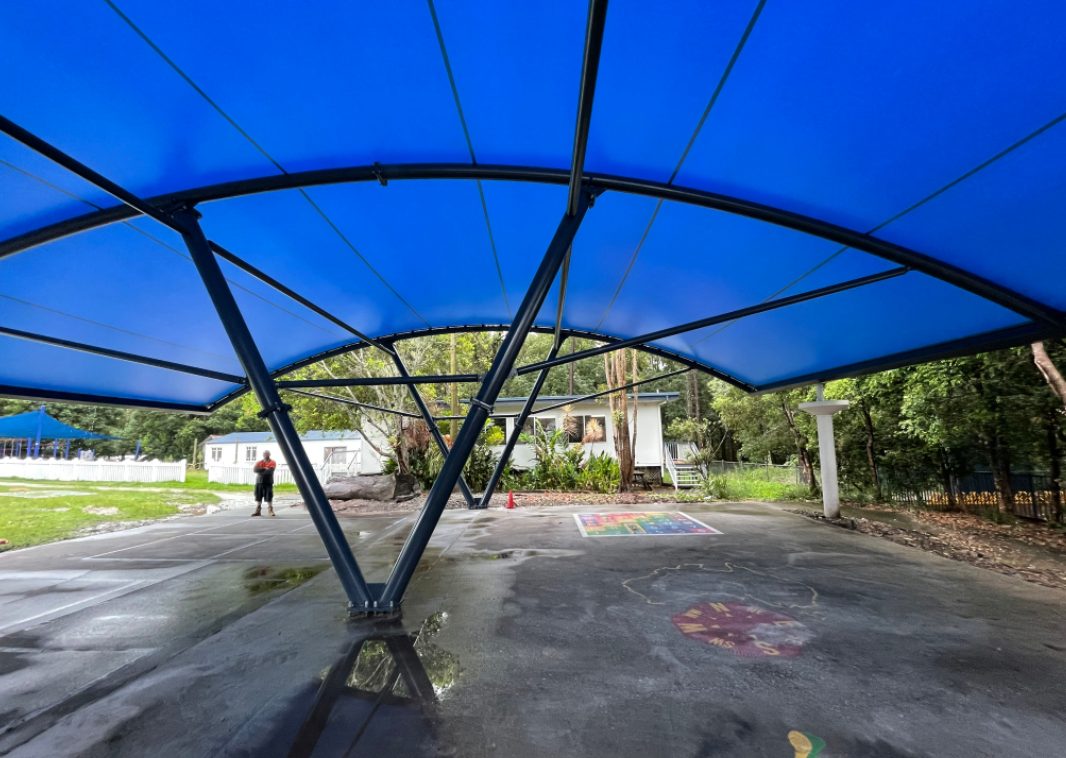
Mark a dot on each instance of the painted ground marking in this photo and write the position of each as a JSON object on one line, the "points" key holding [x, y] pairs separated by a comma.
{"points": [[747, 630], [640, 524]]}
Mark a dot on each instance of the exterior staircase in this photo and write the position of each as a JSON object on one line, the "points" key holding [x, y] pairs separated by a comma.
{"points": [[683, 475]]}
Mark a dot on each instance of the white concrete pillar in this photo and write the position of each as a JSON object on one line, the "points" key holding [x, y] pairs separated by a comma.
{"points": [[823, 411]]}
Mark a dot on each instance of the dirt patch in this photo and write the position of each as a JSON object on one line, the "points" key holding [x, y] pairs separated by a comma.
{"points": [[1034, 552]]}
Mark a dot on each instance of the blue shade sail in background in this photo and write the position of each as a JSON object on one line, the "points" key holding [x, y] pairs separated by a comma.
{"points": [[937, 129], [39, 425]]}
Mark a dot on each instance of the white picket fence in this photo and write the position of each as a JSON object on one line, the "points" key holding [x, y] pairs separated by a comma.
{"points": [[245, 475], [339, 463], [92, 471]]}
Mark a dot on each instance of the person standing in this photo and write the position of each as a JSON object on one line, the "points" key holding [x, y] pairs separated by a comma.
{"points": [[264, 484]]}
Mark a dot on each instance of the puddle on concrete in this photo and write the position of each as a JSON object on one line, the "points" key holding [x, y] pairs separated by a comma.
{"points": [[260, 579], [379, 698]]}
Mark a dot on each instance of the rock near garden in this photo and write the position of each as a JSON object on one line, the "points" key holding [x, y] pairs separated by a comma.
{"points": [[394, 488]]}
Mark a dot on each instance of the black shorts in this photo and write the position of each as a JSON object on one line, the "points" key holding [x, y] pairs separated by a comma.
{"points": [[264, 491]]}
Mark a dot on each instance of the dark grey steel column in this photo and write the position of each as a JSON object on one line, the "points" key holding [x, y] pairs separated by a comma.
{"points": [[519, 422], [430, 422], [275, 412], [481, 407]]}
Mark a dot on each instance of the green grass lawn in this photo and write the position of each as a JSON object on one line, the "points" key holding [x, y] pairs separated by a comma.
{"points": [[196, 479], [28, 521], [756, 484]]}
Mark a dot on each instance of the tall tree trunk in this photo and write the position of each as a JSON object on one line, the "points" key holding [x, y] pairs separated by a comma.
{"points": [[570, 371], [636, 409], [1050, 371], [692, 401], [1054, 452], [948, 480], [614, 367], [999, 462], [871, 456], [802, 452]]}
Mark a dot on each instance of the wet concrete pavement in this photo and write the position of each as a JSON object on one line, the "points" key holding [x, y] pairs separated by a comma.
{"points": [[216, 636]]}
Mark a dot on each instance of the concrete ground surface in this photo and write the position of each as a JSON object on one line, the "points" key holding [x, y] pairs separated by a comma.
{"points": [[224, 635]]}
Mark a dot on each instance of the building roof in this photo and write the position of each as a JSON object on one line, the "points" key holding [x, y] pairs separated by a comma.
{"points": [[265, 437], [659, 397], [842, 187]]}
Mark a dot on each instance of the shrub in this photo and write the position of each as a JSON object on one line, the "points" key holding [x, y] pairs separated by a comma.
{"points": [[426, 464], [601, 473]]}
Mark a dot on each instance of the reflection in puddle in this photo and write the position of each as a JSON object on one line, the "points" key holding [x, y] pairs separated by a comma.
{"points": [[259, 579], [379, 698]]}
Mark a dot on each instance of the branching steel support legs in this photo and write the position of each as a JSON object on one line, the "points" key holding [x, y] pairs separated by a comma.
{"points": [[277, 415], [428, 418], [481, 406]]}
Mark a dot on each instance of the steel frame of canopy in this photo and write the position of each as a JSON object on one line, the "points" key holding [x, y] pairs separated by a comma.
{"points": [[431, 423], [177, 211]]}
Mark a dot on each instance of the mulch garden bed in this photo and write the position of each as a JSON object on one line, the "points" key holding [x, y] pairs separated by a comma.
{"points": [[1032, 551]]}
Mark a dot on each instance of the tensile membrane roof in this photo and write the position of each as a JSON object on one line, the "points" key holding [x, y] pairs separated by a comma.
{"points": [[404, 166]]}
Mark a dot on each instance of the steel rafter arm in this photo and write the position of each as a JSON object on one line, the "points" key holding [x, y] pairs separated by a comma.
{"points": [[296, 297], [431, 423], [348, 401], [713, 320], [612, 390], [121, 355]]}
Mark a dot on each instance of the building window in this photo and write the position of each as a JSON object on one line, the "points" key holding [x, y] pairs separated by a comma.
{"points": [[574, 426], [250, 453], [595, 429], [585, 428], [337, 455], [216, 454], [541, 425]]}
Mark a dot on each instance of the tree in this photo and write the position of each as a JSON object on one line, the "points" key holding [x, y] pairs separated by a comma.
{"points": [[620, 368], [1049, 371]]}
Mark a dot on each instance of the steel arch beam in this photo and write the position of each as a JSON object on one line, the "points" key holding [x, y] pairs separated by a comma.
{"points": [[852, 238]]}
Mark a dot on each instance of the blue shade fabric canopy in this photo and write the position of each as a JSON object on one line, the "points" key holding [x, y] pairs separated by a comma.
{"points": [[404, 165], [39, 425]]}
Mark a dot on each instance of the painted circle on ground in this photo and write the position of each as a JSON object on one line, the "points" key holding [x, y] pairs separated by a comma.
{"points": [[747, 630]]}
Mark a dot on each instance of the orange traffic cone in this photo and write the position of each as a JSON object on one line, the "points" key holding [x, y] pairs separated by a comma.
{"points": [[510, 500]]}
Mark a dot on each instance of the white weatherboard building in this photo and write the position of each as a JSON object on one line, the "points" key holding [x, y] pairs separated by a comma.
{"points": [[590, 423], [229, 459]]}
